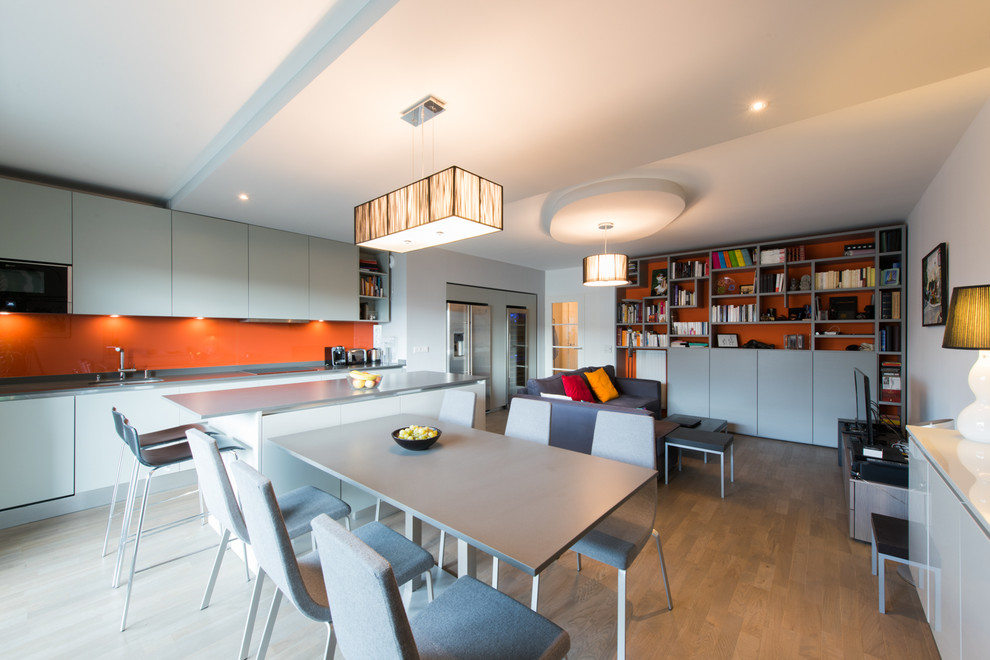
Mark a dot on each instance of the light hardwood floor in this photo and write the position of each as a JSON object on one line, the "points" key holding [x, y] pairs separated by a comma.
{"points": [[768, 572]]}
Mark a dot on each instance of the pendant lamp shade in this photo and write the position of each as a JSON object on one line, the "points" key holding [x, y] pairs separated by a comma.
{"points": [[448, 206], [605, 269]]}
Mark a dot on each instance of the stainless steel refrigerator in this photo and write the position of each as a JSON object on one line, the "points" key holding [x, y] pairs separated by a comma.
{"points": [[469, 343]]}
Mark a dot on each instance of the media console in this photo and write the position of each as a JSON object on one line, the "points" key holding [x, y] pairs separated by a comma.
{"points": [[873, 481]]}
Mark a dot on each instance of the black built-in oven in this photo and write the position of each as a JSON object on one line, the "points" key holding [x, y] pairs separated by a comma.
{"points": [[34, 287]]}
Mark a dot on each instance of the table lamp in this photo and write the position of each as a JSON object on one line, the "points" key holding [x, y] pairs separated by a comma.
{"points": [[968, 327]]}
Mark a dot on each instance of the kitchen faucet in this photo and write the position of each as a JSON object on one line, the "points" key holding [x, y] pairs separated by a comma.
{"points": [[122, 370]]}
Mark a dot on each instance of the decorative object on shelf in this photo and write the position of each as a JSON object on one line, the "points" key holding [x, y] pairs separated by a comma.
{"points": [[891, 276], [605, 269], [794, 342], [794, 284], [805, 284], [448, 206], [968, 327], [842, 307], [725, 285], [934, 286], [658, 282], [746, 289], [728, 341]]}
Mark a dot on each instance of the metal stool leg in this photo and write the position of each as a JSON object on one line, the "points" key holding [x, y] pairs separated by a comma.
{"points": [[125, 525], [113, 499], [663, 571], [137, 542], [252, 614]]}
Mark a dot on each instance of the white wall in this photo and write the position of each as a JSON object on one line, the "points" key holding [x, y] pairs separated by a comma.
{"points": [[423, 301], [955, 209], [596, 306]]}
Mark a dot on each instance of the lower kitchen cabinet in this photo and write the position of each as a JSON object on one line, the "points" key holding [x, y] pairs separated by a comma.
{"points": [[37, 449]]}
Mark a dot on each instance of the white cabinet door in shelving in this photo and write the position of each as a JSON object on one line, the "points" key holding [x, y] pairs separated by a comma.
{"points": [[36, 448], [785, 397]]}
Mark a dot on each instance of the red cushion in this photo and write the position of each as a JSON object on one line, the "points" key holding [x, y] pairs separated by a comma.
{"points": [[577, 388]]}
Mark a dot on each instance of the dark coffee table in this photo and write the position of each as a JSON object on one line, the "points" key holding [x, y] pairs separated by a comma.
{"points": [[706, 435]]}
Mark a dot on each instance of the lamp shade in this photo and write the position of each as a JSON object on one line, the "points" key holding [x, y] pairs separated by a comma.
{"points": [[448, 206], [967, 324], [605, 270]]}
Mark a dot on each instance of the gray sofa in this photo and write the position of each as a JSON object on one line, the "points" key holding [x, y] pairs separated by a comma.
{"points": [[633, 392]]}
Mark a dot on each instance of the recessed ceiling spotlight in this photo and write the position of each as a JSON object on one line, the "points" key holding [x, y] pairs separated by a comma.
{"points": [[243, 197], [757, 106]]}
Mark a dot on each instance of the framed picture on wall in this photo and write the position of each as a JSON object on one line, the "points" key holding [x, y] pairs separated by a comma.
{"points": [[934, 285], [658, 282]]}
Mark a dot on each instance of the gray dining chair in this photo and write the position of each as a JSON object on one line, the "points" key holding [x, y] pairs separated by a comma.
{"points": [[298, 508], [468, 620], [618, 539], [457, 407], [528, 419], [301, 578]]}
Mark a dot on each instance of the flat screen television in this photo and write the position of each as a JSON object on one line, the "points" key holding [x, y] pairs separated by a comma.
{"points": [[864, 406]]}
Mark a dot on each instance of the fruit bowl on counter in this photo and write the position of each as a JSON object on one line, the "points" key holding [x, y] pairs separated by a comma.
{"points": [[362, 380]]}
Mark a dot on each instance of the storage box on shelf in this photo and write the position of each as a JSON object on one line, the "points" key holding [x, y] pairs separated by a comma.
{"points": [[831, 292]]}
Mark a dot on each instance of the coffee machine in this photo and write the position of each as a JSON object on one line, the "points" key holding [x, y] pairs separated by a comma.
{"points": [[335, 356]]}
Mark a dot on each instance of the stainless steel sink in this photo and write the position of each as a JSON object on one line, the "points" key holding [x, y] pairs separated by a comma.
{"points": [[126, 381]]}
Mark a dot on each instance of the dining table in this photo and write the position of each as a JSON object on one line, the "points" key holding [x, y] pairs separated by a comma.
{"points": [[523, 502]]}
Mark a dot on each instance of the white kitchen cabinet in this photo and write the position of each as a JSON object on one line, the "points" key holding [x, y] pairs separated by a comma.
{"points": [[975, 599], [784, 404], [209, 267], [278, 274], [35, 222], [121, 257], [333, 280], [36, 443], [732, 389], [944, 558]]}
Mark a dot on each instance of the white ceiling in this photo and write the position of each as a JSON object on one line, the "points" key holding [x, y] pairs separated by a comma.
{"points": [[298, 103]]}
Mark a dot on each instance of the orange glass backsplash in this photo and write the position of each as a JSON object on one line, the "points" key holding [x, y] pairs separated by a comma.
{"points": [[54, 344]]}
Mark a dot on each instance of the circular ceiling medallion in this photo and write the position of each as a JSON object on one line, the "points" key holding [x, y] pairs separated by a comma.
{"points": [[636, 207]]}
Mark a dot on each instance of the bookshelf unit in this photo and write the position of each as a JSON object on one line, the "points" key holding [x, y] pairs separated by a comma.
{"points": [[373, 286], [820, 293]]}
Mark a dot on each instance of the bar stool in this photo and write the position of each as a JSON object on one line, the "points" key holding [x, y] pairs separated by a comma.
{"points": [[153, 458], [154, 439]]}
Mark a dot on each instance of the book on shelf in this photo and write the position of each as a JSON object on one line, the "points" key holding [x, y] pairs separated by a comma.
{"points": [[890, 305], [890, 240], [686, 269], [735, 313], [890, 382], [850, 278]]}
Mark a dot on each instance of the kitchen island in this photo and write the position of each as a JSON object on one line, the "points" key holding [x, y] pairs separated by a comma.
{"points": [[255, 415]]}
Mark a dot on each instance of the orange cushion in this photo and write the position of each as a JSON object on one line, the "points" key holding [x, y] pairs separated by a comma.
{"points": [[601, 385]]}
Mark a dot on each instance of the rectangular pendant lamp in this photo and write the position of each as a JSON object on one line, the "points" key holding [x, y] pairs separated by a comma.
{"points": [[448, 206]]}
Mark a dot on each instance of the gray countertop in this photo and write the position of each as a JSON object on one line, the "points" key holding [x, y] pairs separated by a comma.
{"points": [[296, 396], [72, 384]]}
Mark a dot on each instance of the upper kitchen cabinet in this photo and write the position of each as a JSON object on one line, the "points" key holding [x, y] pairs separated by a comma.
{"points": [[121, 257], [209, 267], [278, 274], [333, 279], [36, 222]]}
